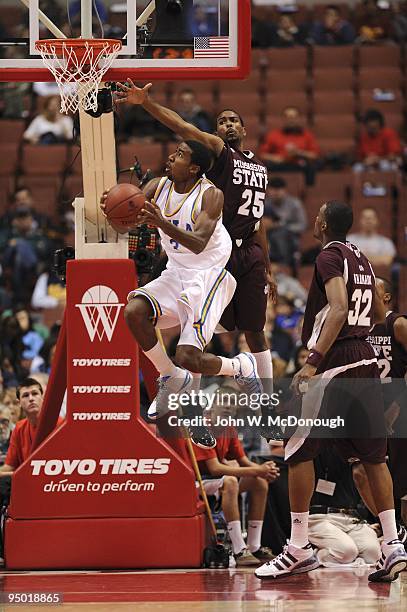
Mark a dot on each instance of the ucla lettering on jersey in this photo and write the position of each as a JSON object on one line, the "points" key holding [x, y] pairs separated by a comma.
{"points": [[182, 210]]}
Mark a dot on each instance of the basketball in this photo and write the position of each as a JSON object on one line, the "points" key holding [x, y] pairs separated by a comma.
{"points": [[123, 204]]}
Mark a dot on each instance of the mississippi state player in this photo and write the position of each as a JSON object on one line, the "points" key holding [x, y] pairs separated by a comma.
{"points": [[389, 341], [340, 312]]}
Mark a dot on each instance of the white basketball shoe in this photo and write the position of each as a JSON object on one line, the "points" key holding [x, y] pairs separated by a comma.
{"points": [[391, 563], [181, 382], [291, 561], [247, 377]]}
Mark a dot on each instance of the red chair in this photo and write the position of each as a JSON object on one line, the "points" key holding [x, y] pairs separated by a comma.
{"points": [[335, 126], [48, 160], [333, 103], [9, 158], [293, 58], [150, 154], [12, 130], [333, 57], [338, 80], [337, 145], [276, 102], [383, 78], [393, 107], [291, 80], [379, 55]]}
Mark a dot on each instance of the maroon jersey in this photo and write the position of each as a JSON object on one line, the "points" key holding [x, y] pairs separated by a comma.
{"points": [[243, 180], [340, 259], [391, 355]]}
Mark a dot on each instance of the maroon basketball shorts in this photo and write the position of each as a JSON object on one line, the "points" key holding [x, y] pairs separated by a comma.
{"points": [[247, 310], [353, 393]]}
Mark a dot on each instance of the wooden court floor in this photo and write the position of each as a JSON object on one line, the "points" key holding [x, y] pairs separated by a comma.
{"points": [[336, 590]]}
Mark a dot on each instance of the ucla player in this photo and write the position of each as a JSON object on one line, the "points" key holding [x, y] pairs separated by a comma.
{"points": [[195, 287], [243, 181]]}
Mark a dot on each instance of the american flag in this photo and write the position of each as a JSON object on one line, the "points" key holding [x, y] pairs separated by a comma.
{"points": [[211, 46]]}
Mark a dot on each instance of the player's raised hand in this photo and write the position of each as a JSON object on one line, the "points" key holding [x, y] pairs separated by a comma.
{"points": [[130, 93], [102, 202], [271, 281]]}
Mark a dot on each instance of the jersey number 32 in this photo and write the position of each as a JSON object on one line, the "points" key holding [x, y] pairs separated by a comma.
{"points": [[362, 303]]}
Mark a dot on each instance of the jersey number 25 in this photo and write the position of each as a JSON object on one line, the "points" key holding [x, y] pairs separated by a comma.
{"points": [[253, 200]]}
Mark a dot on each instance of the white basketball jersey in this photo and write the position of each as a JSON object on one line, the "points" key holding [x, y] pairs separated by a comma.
{"points": [[182, 209]]}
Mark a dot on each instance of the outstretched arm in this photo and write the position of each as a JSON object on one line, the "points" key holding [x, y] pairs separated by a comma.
{"points": [[195, 241], [132, 94]]}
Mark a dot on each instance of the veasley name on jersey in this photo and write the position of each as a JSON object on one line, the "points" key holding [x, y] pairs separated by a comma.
{"points": [[362, 279], [252, 175]]}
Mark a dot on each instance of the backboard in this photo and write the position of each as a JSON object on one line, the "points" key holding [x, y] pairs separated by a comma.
{"points": [[162, 39]]}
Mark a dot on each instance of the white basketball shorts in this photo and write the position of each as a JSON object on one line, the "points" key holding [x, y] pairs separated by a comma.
{"points": [[193, 299]]}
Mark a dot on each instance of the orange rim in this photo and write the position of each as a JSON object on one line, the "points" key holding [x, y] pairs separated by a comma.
{"points": [[56, 45]]}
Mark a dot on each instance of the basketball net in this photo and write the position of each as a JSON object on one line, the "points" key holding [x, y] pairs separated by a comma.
{"points": [[78, 66]]}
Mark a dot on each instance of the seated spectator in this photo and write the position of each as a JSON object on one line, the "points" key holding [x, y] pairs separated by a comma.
{"points": [[399, 22], [379, 249], [221, 477], [280, 341], [202, 21], [379, 147], [22, 197], [287, 33], [188, 108], [31, 396], [285, 220], [289, 287], [32, 341], [292, 148], [50, 126], [24, 248], [332, 30], [372, 22], [6, 427], [14, 100], [49, 291], [11, 402]]}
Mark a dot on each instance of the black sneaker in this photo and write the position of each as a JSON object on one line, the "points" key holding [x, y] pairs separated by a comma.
{"points": [[267, 429], [202, 437], [402, 536], [264, 554]]}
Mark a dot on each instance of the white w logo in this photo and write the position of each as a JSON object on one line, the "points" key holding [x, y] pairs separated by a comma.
{"points": [[100, 310]]}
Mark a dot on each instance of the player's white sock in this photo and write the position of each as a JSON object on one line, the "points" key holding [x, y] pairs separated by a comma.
{"points": [[299, 529], [254, 535], [235, 533], [196, 382], [229, 366], [265, 369], [162, 362], [387, 520]]}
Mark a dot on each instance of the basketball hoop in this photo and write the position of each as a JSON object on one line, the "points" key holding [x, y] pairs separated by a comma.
{"points": [[78, 66]]}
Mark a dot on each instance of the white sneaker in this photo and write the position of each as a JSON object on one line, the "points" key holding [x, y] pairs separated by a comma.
{"points": [[391, 563], [291, 561], [247, 376], [179, 383]]}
